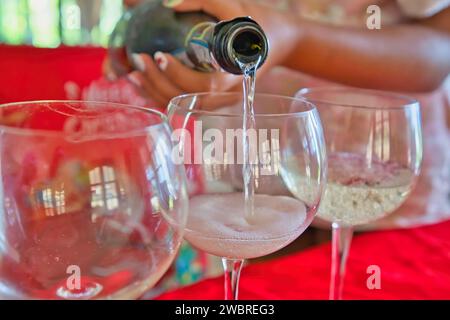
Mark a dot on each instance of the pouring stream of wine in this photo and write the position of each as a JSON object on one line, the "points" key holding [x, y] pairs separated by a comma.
{"points": [[249, 124]]}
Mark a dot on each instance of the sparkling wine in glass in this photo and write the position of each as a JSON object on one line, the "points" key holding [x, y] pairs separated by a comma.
{"points": [[93, 207], [374, 147], [286, 155]]}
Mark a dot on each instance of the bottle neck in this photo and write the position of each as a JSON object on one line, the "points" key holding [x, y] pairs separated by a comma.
{"points": [[227, 45], [238, 43]]}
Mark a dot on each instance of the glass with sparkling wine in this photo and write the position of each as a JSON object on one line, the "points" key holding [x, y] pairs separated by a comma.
{"points": [[252, 189], [374, 147]]}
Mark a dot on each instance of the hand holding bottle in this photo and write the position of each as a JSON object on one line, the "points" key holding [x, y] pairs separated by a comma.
{"points": [[162, 76]]}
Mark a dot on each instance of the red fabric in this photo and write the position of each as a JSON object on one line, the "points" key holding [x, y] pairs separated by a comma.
{"points": [[29, 73], [414, 263]]}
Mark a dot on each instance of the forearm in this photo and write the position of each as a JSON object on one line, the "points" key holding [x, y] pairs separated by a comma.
{"points": [[400, 58], [282, 31]]}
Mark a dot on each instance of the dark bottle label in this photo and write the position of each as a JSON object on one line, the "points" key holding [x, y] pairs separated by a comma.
{"points": [[197, 46], [153, 28]]}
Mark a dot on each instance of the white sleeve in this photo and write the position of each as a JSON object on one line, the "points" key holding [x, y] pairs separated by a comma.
{"points": [[422, 8]]}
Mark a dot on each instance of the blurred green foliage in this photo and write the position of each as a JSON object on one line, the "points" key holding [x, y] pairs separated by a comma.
{"points": [[50, 23]]}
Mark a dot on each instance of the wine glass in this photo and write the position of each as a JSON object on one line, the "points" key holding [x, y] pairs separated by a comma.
{"points": [[374, 147], [92, 205], [287, 160]]}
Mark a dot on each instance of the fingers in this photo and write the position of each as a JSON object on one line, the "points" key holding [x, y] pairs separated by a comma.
{"points": [[165, 77], [219, 8], [146, 89], [152, 81], [182, 76], [189, 80], [108, 70], [154, 74]]}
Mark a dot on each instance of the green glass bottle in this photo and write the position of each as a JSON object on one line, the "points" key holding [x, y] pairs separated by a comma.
{"points": [[197, 39]]}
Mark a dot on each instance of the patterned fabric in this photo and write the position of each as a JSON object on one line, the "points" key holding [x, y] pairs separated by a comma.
{"points": [[190, 266]]}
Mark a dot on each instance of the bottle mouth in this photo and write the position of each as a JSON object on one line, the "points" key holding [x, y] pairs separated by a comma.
{"points": [[247, 45], [238, 42]]}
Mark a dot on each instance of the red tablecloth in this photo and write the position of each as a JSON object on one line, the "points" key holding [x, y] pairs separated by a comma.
{"points": [[414, 263]]}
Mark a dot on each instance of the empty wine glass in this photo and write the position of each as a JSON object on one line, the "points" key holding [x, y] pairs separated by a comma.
{"points": [[374, 147], [288, 163], [92, 205]]}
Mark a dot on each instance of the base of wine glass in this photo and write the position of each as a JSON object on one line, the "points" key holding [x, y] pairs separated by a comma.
{"points": [[87, 291]]}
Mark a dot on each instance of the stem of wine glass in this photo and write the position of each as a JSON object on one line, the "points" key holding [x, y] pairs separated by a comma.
{"points": [[232, 268], [341, 241]]}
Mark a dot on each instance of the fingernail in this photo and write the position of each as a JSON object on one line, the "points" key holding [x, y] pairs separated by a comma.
{"points": [[111, 76], [161, 60], [134, 80], [171, 3], [138, 62]]}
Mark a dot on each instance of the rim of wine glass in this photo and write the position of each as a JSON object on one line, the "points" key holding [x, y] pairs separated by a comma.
{"points": [[409, 101], [304, 113], [52, 133]]}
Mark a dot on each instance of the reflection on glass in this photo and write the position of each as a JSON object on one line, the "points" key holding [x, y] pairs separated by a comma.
{"points": [[104, 188]]}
